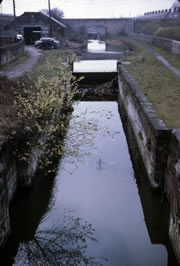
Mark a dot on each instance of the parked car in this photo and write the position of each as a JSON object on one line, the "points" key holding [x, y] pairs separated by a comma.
{"points": [[47, 43]]}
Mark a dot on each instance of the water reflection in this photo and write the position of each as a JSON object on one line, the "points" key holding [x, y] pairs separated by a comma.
{"points": [[103, 190], [130, 220], [63, 244], [96, 46], [43, 234]]}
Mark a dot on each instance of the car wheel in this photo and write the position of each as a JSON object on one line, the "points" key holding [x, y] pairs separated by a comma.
{"points": [[52, 46], [38, 46]]}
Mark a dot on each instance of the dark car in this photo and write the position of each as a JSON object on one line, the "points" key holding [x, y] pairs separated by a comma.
{"points": [[47, 43]]}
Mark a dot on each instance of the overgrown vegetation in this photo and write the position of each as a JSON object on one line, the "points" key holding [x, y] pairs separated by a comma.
{"points": [[167, 28], [160, 86], [9, 87], [7, 118], [39, 109]]}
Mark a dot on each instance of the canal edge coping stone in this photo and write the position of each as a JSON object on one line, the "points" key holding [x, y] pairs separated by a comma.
{"points": [[151, 134]]}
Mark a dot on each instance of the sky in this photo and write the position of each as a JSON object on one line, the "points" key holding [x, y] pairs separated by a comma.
{"points": [[88, 8]]}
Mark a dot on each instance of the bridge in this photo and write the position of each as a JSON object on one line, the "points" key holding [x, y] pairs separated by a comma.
{"points": [[110, 26]]}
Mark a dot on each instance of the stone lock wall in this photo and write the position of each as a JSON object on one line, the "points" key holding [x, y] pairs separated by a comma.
{"points": [[15, 174], [8, 185], [172, 188], [150, 132], [159, 148], [12, 176]]}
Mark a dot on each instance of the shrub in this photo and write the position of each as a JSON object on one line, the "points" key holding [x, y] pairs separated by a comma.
{"points": [[168, 32], [167, 28]]}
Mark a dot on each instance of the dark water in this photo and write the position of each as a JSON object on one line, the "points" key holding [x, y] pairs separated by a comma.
{"points": [[99, 205]]}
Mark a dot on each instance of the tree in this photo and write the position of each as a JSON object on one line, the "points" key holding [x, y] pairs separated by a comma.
{"points": [[55, 13]]}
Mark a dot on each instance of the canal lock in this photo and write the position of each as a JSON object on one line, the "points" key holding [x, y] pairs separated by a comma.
{"points": [[109, 192]]}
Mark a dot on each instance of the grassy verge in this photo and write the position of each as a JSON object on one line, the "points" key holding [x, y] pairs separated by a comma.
{"points": [[173, 59], [49, 63], [160, 86], [19, 60]]}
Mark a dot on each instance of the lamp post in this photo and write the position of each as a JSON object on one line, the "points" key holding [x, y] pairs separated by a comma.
{"points": [[14, 8], [49, 5]]}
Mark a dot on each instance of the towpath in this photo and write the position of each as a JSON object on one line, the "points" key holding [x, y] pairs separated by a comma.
{"points": [[159, 57], [20, 69]]}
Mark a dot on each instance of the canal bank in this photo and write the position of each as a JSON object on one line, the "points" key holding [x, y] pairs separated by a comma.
{"points": [[36, 120], [17, 176], [90, 212], [159, 148]]}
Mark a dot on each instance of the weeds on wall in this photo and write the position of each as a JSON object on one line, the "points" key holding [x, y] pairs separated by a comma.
{"points": [[43, 109]]}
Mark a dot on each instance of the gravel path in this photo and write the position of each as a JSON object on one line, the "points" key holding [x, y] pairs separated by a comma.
{"points": [[26, 66]]}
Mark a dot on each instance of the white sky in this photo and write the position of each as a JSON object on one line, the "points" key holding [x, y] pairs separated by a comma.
{"points": [[88, 8]]}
